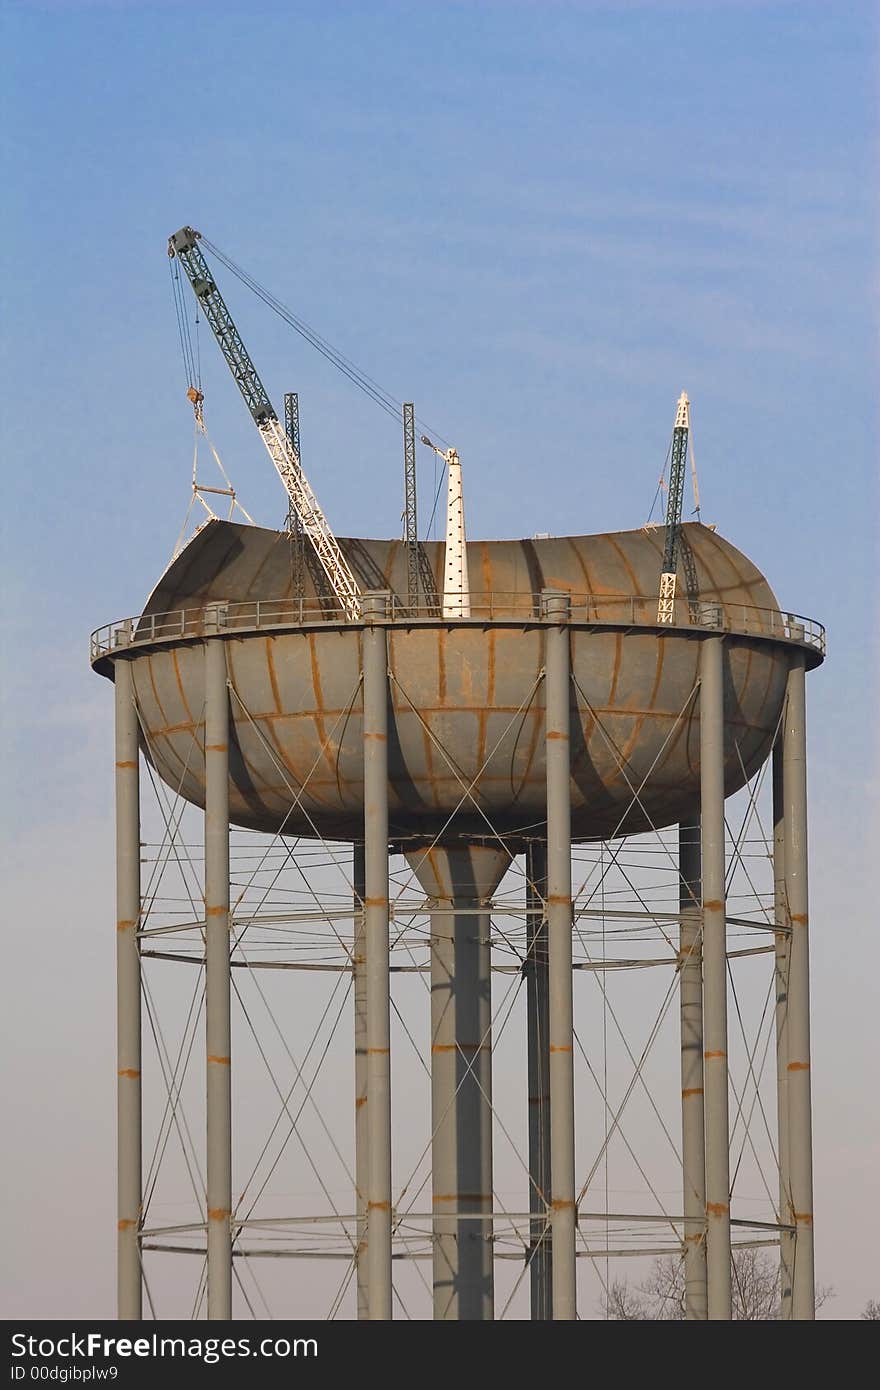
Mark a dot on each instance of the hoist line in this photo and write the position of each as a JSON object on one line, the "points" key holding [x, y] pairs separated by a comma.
{"points": [[182, 325], [390, 404]]}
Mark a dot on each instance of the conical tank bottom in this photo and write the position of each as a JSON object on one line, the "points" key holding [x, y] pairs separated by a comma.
{"points": [[461, 873]]}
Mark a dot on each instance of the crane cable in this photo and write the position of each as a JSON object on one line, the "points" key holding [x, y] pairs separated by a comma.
{"points": [[191, 371], [661, 485], [192, 367], [390, 404]]}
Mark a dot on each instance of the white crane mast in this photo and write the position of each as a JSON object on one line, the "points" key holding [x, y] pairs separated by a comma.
{"points": [[456, 580]]}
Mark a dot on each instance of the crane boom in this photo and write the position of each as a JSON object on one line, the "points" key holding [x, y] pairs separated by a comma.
{"points": [[184, 245], [677, 468]]}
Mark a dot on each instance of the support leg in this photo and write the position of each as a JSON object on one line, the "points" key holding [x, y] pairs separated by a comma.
{"points": [[800, 1122], [559, 930], [128, 998], [361, 1155], [781, 964], [538, 1030], [378, 984], [217, 993], [693, 1150], [715, 978]]}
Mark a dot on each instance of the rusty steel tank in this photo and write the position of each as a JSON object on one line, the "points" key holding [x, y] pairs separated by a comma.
{"points": [[465, 695]]}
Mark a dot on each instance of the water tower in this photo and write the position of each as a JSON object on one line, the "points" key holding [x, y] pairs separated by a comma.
{"points": [[472, 710]]}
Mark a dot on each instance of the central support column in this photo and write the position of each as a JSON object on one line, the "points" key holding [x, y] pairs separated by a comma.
{"points": [[378, 983], [361, 1155], [556, 607], [128, 998], [538, 1034], [217, 996], [693, 1149], [715, 978], [460, 882]]}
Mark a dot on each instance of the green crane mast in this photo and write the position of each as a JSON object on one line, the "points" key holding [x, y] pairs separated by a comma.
{"points": [[674, 538]]}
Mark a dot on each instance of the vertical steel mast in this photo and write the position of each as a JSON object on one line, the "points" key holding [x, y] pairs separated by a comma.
{"points": [[410, 510], [294, 520], [677, 467]]}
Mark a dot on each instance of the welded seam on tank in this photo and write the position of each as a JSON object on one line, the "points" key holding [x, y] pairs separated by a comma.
{"points": [[167, 742], [255, 790], [635, 793], [459, 776], [623, 755], [583, 755], [485, 705], [679, 732], [764, 735], [266, 721], [406, 793], [297, 797], [585, 571], [179, 680], [269, 790], [624, 558], [534, 570], [749, 585], [714, 590], [533, 713]]}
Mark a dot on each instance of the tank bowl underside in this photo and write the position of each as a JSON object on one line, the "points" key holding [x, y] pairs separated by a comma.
{"points": [[466, 727]]}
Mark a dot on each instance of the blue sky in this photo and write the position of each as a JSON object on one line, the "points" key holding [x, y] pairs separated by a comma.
{"points": [[538, 221]]}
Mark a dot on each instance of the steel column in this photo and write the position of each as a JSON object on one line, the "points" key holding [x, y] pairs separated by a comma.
{"points": [[217, 981], [128, 998], [557, 687], [693, 1148], [781, 964], [800, 1123], [715, 978], [361, 1155], [538, 1029], [378, 981]]}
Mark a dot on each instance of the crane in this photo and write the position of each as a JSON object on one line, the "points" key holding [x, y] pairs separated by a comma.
{"points": [[184, 245], [674, 538], [456, 581]]}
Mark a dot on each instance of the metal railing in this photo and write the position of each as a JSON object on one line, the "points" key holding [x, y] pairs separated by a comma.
{"points": [[594, 609]]}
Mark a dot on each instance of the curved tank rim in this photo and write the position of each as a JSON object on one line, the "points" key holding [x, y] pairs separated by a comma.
{"points": [[119, 639]]}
